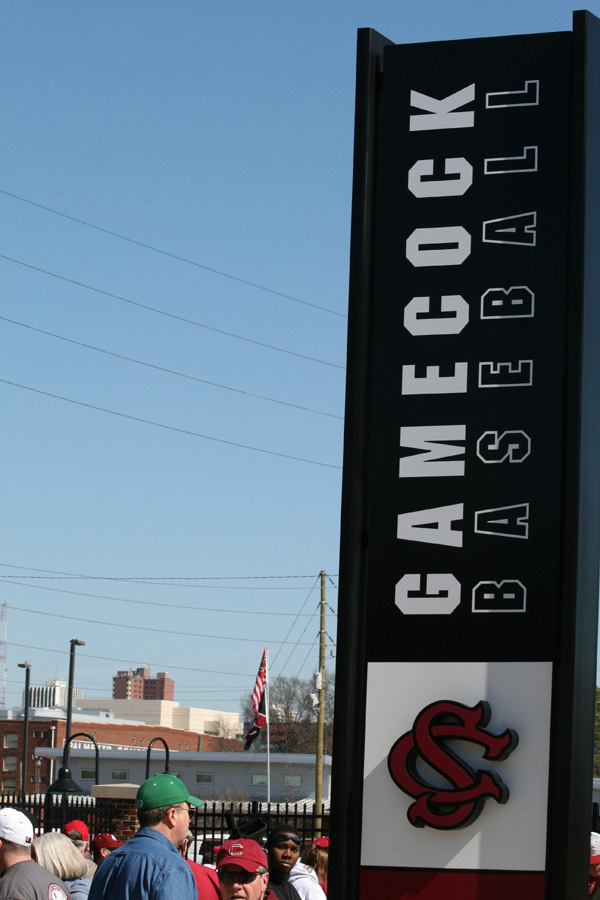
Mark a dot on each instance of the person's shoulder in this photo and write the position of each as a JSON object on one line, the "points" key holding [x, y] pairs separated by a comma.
{"points": [[27, 876], [301, 871], [207, 880]]}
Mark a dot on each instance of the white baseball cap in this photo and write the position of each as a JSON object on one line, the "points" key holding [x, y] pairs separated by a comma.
{"points": [[595, 848], [15, 827]]}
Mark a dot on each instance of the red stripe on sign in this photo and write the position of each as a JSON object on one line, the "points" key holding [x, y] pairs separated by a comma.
{"points": [[433, 884]]}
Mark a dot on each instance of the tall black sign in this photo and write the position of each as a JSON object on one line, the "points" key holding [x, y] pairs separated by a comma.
{"points": [[470, 510]]}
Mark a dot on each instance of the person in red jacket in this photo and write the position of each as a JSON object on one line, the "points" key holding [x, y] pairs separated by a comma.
{"points": [[205, 877], [595, 864]]}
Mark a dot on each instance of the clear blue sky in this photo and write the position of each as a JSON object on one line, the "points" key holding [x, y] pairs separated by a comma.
{"points": [[208, 147]]}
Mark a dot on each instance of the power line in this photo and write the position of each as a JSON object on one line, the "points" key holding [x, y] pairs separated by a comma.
{"points": [[87, 621], [163, 312], [164, 577], [183, 259], [246, 612], [206, 437], [141, 362], [132, 662], [292, 625], [169, 234]]}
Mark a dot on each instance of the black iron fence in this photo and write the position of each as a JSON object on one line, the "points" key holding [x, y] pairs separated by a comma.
{"points": [[50, 812], [216, 822], [212, 824]]}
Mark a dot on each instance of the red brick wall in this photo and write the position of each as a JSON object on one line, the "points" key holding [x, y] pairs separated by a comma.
{"points": [[125, 823], [38, 776]]}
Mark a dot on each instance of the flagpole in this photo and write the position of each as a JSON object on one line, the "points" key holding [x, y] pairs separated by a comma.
{"points": [[268, 730]]}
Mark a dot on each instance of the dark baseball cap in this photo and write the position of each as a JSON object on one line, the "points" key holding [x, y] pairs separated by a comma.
{"points": [[164, 790], [242, 852], [105, 841]]}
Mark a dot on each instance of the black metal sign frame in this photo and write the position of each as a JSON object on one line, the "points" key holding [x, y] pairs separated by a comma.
{"points": [[471, 496]]}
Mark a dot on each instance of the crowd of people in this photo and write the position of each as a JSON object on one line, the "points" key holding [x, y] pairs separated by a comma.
{"points": [[152, 865]]}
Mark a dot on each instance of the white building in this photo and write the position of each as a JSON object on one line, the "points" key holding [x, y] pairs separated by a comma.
{"points": [[53, 693], [168, 714], [234, 776]]}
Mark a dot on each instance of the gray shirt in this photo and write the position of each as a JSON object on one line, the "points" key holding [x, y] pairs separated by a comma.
{"points": [[27, 880]]}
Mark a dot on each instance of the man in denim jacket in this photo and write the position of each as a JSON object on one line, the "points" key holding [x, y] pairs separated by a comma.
{"points": [[149, 866]]}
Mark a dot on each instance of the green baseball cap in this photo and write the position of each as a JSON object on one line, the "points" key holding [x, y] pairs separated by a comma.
{"points": [[164, 790]]}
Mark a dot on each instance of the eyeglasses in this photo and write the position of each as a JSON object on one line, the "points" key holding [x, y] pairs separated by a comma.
{"points": [[282, 838], [190, 810], [237, 877]]}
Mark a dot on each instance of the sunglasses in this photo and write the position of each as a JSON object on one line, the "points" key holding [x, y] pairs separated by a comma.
{"points": [[282, 838], [237, 877]]}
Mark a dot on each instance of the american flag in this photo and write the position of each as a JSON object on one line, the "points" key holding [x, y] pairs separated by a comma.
{"points": [[259, 687], [258, 703]]}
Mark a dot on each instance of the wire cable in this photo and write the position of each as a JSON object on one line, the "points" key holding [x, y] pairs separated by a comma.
{"points": [[183, 259], [141, 362], [163, 312], [295, 620], [158, 578], [206, 437], [131, 662], [214, 637], [169, 234], [242, 612]]}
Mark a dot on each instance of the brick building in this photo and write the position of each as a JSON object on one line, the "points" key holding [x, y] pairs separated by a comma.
{"points": [[138, 685], [51, 732]]}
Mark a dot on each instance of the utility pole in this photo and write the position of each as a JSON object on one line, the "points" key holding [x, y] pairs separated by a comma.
{"points": [[321, 713]]}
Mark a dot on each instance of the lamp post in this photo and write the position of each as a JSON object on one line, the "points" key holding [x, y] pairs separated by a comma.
{"points": [[150, 745], [64, 784], [74, 643], [27, 667]]}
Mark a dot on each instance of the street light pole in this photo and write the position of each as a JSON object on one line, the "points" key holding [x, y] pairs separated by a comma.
{"points": [[74, 643], [27, 667]]}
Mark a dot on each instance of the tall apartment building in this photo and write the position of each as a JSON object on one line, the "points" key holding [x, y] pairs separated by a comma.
{"points": [[53, 693], [138, 685]]}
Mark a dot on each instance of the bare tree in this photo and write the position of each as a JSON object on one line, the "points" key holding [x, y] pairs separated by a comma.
{"points": [[293, 715]]}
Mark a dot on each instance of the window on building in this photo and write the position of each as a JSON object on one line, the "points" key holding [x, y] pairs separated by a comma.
{"points": [[180, 744], [187, 745], [141, 742], [292, 780], [11, 740], [258, 779], [204, 777], [88, 774], [43, 779], [9, 784], [36, 733], [9, 764], [119, 775], [133, 741]]}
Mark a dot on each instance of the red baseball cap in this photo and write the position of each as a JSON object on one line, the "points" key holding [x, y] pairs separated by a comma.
{"points": [[321, 842], [81, 829], [106, 841], [242, 852]]}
